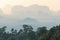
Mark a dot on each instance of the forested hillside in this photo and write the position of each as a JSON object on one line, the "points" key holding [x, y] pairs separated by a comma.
{"points": [[27, 33]]}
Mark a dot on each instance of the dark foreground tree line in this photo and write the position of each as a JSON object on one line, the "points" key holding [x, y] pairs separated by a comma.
{"points": [[27, 33]]}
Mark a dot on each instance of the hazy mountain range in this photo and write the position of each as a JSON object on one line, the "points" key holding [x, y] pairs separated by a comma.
{"points": [[34, 15]]}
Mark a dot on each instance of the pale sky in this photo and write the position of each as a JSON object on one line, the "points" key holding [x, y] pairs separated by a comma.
{"points": [[52, 4]]}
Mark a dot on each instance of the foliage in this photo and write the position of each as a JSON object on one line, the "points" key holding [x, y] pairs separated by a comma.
{"points": [[27, 33]]}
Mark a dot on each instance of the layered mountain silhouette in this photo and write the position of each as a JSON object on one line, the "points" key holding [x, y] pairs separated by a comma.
{"points": [[33, 10]]}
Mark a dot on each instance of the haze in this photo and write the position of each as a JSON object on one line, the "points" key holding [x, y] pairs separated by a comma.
{"points": [[52, 4], [35, 12]]}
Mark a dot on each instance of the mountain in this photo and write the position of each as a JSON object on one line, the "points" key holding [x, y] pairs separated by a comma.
{"points": [[32, 11], [29, 21]]}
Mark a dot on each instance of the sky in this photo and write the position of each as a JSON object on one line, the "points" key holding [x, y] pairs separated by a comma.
{"points": [[6, 5]]}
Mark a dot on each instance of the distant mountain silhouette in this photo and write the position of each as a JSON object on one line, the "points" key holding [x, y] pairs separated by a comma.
{"points": [[31, 11], [30, 21]]}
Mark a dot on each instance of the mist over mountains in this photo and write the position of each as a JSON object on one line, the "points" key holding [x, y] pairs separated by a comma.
{"points": [[34, 15]]}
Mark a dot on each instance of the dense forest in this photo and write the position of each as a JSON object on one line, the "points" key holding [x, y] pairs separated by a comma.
{"points": [[27, 33]]}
